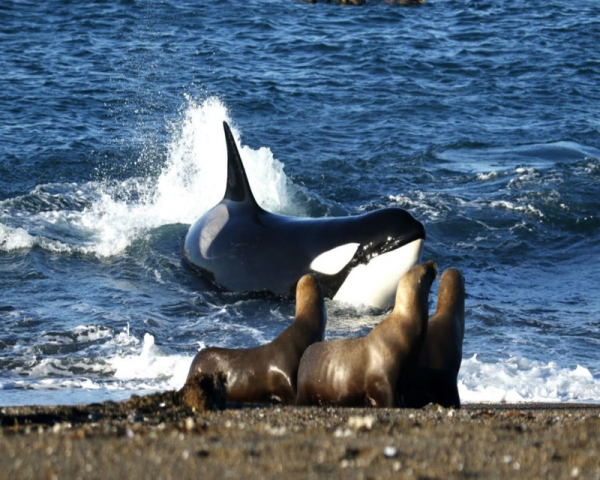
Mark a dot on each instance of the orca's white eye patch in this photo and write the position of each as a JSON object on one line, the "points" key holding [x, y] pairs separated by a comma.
{"points": [[334, 260]]}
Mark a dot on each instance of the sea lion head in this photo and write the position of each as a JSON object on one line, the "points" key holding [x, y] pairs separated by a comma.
{"points": [[412, 295], [452, 290], [310, 305]]}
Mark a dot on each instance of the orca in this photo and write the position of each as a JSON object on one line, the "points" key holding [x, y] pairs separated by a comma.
{"points": [[359, 260]]}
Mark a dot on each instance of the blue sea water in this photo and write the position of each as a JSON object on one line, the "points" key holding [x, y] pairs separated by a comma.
{"points": [[479, 117]]}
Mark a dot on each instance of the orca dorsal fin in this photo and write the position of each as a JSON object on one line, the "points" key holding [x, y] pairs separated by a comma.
{"points": [[238, 188]]}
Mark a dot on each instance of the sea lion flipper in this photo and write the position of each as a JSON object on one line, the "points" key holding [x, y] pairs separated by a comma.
{"points": [[238, 187]]}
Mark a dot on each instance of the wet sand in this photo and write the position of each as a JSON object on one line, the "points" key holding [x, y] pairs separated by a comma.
{"points": [[160, 439]]}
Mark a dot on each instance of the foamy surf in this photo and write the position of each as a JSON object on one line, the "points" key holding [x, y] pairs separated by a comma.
{"points": [[513, 380], [520, 380], [142, 366], [132, 366], [104, 218], [152, 364], [18, 238]]}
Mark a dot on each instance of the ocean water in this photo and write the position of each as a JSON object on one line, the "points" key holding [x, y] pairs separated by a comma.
{"points": [[479, 117]]}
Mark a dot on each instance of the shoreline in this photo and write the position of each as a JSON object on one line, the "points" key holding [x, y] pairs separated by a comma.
{"points": [[152, 436]]}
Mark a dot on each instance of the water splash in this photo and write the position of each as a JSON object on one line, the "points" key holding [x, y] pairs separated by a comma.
{"points": [[152, 365], [516, 380], [108, 216]]}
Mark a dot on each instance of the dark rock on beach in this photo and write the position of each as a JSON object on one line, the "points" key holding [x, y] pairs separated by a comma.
{"points": [[200, 393]]}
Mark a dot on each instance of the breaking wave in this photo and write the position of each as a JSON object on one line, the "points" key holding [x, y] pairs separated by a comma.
{"points": [[105, 217], [516, 380], [136, 366]]}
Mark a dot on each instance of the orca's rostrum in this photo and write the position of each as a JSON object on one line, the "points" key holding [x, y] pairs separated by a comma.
{"points": [[241, 247]]}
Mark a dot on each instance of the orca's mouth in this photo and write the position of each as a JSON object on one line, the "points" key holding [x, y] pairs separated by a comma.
{"points": [[411, 249], [372, 251]]}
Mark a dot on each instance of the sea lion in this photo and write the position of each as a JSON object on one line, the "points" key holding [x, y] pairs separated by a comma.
{"points": [[267, 374], [365, 371], [359, 259], [434, 380]]}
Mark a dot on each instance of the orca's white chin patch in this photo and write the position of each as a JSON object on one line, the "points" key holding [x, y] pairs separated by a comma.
{"points": [[375, 283]]}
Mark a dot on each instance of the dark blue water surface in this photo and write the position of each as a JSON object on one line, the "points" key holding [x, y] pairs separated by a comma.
{"points": [[480, 117]]}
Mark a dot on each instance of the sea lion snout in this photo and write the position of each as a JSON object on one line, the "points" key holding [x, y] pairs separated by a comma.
{"points": [[452, 288], [307, 285], [415, 285], [452, 276], [423, 269], [309, 297], [431, 264], [429, 268]]}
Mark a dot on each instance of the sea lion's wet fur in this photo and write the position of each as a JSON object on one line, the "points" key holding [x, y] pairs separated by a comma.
{"points": [[365, 371], [267, 374], [435, 378]]}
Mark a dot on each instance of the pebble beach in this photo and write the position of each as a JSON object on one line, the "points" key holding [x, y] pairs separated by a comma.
{"points": [[122, 440]]}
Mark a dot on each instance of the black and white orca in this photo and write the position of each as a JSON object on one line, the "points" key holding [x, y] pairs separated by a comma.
{"points": [[359, 260]]}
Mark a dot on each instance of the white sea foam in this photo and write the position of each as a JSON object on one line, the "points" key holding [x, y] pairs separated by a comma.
{"points": [[144, 366], [516, 380], [527, 209], [487, 176], [524, 176], [18, 238], [421, 204], [117, 213], [152, 365], [141, 367], [62, 367], [593, 165], [91, 333], [64, 384], [14, 238]]}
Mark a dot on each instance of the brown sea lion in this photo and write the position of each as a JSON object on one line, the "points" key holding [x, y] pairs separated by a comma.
{"points": [[365, 371], [434, 379], [267, 374]]}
